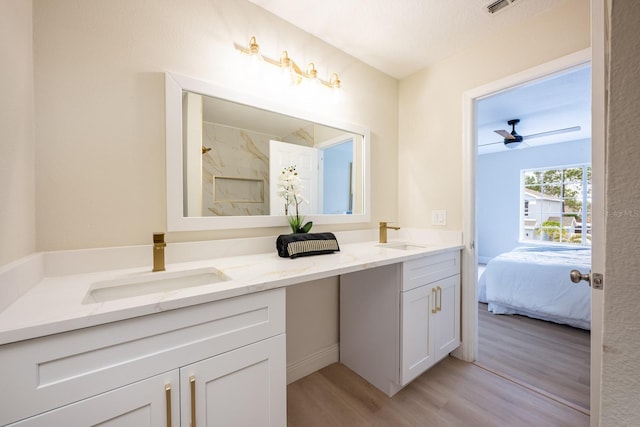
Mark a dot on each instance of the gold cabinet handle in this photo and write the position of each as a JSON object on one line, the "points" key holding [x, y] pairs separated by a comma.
{"points": [[434, 295], [192, 382], [167, 395], [439, 298]]}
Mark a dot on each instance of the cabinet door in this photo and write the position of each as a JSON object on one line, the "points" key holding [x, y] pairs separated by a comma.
{"points": [[418, 340], [447, 319], [243, 387], [143, 403]]}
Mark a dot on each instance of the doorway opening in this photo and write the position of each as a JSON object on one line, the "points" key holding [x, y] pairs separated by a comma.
{"points": [[497, 223]]}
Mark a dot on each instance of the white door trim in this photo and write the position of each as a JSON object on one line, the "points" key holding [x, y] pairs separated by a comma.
{"points": [[468, 350], [599, 78]]}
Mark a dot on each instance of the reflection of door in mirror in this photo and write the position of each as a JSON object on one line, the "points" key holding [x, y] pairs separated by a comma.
{"points": [[305, 159], [336, 168]]}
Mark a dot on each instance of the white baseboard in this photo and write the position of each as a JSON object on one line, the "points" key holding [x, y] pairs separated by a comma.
{"points": [[313, 362]]}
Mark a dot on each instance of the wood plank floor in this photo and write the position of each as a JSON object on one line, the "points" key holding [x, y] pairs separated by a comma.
{"points": [[551, 357], [452, 393]]}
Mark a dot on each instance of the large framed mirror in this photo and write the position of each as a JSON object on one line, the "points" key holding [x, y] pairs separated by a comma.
{"points": [[225, 150]]}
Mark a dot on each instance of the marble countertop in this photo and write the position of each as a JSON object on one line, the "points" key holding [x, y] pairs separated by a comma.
{"points": [[58, 304]]}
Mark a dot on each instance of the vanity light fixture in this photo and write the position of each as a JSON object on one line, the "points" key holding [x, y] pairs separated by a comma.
{"points": [[311, 73], [254, 53], [312, 81], [334, 81], [289, 74], [290, 69], [254, 47], [285, 61]]}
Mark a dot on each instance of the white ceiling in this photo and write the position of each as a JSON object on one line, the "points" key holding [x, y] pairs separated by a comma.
{"points": [[558, 102], [401, 37], [232, 114]]}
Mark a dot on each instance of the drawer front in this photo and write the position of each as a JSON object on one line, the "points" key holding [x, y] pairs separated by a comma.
{"points": [[46, 373], [422, 271]]}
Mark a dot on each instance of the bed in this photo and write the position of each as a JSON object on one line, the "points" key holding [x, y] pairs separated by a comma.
{"points": [[534, 282]]}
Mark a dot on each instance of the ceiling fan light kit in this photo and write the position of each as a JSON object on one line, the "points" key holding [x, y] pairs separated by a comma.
{"points": [[513, 139]]}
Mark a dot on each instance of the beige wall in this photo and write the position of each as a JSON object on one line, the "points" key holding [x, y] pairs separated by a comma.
{"points": [[621, 343], [17, 211], [430, 106], [100, 108], [312, 318]]}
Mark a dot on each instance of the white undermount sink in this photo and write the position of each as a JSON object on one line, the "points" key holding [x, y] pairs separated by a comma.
{"points": [[403, 246], [150, 283]]}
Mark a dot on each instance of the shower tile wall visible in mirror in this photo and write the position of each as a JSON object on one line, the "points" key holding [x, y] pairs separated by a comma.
{"points": [[303, 136], [240, 158], [235, 172]]}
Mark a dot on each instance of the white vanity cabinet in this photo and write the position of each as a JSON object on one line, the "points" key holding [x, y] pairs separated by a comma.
{"points": [[213, 360], [143, 403], [430, 325], [244, 387], [397, 321]]}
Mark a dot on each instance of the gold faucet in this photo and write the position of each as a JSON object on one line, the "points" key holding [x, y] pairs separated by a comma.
{"points": [[383, 231], [158, 251]]}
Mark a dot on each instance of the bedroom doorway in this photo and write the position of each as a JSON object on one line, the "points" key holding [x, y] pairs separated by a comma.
{"points": [[529, 339], [533, 221]]}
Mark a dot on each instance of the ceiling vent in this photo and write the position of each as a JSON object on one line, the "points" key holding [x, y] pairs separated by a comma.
{"points": [[498, 5]]}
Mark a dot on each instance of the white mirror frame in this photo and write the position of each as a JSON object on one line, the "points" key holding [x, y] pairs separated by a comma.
{"points": [[176, 221]]}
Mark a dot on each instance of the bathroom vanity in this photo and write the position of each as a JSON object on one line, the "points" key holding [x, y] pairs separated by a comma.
{"points": [[207, 352]]}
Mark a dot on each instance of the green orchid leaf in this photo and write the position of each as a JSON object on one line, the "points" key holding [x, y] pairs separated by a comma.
{"points": [[305, 228]]}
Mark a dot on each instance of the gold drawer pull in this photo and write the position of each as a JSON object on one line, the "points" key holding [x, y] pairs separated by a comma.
{"points": [[167, 395], [434, 295], [192, 381], [439, 298]]}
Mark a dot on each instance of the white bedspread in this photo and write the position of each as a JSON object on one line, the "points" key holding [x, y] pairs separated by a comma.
{"points": [[535, 282]]}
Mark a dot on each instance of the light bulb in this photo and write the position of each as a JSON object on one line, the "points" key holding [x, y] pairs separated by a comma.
{"points": [[311, 82], [336, 95], [336, 89], [289, 76], [254, 54]]}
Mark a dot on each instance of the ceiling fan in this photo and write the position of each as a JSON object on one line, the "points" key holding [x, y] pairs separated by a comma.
{"points": [[513, 139]]}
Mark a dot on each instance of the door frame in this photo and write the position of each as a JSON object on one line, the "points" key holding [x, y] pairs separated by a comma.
{"points": [[468, 350], [322, 146]]}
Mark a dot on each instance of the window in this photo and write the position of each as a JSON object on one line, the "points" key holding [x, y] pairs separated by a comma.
{"points": [[556, 205]]}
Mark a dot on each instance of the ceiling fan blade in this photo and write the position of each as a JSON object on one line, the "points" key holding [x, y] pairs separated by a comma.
{"points": [[491, 143], [553, 132], [507, 136], [503, 133]]}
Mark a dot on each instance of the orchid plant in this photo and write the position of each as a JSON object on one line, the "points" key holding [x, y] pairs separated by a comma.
{"points": [[289, 188]]}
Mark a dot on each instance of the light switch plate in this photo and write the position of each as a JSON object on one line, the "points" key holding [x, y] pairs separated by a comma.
{"points": [[439, 217]]}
